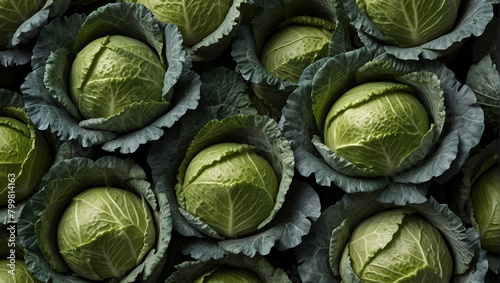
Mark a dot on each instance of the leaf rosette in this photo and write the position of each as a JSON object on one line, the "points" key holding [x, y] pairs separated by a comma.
{"points": [[272, 51], [476, 199], [225, 116], [413, 31], [229, 268], [455, 125], [332, 252], [78, 59], [483, 77], [121, 231]]}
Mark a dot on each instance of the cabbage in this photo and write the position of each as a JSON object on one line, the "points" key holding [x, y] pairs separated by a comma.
{"points": [[95, 220], [25, 155], [229, 274], [230, 187], [409, 22], [380, 120], [126, 100], [195, 18], [485, 204], [207, 27], [20, 24]]}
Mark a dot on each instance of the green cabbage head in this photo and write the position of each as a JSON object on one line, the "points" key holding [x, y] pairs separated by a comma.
{"points": [[230, 188], [228, 274], [485, 202], [25, 155], [289, 51], [411, 22], [376, 125], [112, 73], [397, 246], [105, 232], [195, 18], [12, 14]]}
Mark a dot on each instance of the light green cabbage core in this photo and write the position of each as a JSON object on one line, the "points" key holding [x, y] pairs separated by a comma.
{"points": [[17, 275], [12, 14], [394, 246], [411, 22], [24, 157], [289, 51], [230, 188], [195, 18], [105, 232], [228, 274], [376, 125], [485, 194], [112, 72]]}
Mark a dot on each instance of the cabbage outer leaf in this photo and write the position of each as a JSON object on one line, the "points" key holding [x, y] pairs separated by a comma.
{"points": [[389, 137], [484, 79], [247, 129], [12, 15], [34, 20], [212, 45]]}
